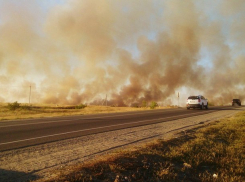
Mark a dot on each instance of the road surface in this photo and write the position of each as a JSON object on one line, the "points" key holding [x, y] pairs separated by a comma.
{"points": [[22, 133]]}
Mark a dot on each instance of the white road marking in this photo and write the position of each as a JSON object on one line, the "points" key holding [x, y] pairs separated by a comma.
{"points": [[89, 129]]}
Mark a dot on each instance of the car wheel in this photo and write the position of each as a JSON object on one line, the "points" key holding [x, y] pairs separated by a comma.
{"points": [[207, 106], [202, 106], [187, 108]]}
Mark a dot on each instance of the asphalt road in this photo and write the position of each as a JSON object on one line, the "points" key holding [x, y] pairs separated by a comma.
{"points": [[22, 133]]}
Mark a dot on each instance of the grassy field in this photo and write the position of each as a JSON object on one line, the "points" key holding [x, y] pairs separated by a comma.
{"points": [[50, 110], [215, 152]]}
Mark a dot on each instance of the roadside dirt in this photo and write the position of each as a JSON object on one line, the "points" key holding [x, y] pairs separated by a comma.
{"points": [[46, 161]]}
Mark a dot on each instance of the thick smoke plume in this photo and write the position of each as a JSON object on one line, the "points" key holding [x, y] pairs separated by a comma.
{"points": [[131, 51]]}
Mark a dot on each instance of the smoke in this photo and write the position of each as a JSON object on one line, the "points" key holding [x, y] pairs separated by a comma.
{"points": [[131, 51]]}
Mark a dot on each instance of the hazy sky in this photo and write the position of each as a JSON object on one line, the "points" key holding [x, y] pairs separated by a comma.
{"points": [[79, 51]]}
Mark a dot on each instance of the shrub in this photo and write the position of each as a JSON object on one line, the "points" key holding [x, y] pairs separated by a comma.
{"points": [[81, 106], [153, 105], [13, 106]]}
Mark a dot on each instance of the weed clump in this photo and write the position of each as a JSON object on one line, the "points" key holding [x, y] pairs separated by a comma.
{"points": [[13, 106]]}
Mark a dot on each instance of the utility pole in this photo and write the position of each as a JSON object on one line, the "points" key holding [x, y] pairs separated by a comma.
{"points": [[30, 95], [178, 99]]}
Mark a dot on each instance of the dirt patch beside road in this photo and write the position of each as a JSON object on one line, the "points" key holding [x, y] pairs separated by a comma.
{"points": [[43, 161]]}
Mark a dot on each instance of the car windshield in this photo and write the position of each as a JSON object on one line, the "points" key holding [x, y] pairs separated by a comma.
{"points": [[193, 97]]}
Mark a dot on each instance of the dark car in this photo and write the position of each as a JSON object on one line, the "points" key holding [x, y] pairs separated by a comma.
{"points": [[236, 102]]}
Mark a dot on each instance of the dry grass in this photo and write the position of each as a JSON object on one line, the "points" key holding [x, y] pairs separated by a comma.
{"points": [[51, 110], [212, 153]]}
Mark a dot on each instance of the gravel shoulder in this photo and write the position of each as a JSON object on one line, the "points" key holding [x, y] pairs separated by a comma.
{"points": [[43, 161]]}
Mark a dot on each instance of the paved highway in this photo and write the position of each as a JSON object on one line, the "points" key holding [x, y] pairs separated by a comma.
{"points": [[23, 133]]}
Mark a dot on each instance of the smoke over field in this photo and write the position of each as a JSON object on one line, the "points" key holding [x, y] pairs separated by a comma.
{"points": [[131, 51]]}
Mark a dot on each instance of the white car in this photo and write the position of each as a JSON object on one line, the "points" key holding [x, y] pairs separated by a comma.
{"points": [[197, 102]]}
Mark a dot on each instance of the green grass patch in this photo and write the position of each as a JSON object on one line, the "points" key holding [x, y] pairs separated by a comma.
{"points": [[213, 153]]}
